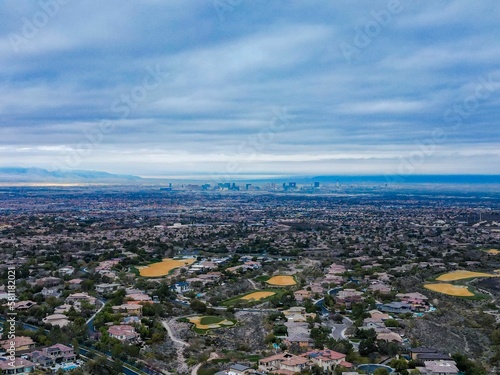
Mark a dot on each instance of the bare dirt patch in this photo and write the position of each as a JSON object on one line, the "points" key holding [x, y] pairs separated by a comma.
{"points": [[282, 281], [461, 275], [164, 267], [257, 296], [450, 289]]}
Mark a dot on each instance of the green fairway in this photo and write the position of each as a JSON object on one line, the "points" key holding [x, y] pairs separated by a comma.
{"points": [[206, 320]]}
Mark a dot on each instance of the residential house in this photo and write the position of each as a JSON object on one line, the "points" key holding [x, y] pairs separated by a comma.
{"points": [[301, 295], [317, 288], [139, 297], [336, 269], [380, 288], [51, 355], [131, 320], [51, 292], [348, 297], [66, 271], [252, 265], [123, 332], [295, 364], [202, 266], [383, 276], [107, 265], [378, 315], [327, 359], [371, 323], [274, 362], [19, 343], [390, 337], [24, 305], [19, 366], [181, 287], [56, 320], [77, 298], [302, 341], [395, 307], [334, 279], [75, 283], [439, 368], [107, 288], [62, 309], [239, 369], [128, 309], [417, 300], [298, 314], [49, 281], [428, 354]]}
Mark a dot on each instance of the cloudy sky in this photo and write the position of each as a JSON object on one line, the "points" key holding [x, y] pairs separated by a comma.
{"points": [[262, 87]]}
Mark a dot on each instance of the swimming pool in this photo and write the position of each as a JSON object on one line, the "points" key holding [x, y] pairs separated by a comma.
{"points": [[68, 367], [370, 368]]}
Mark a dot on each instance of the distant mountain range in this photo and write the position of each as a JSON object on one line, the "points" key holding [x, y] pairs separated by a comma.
{"points": [[32, 175]]}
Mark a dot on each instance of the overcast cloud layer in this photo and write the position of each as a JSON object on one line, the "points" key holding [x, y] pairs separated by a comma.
{"points": [[228, 87]]}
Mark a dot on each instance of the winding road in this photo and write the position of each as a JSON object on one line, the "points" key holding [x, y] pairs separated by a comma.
{"points": [[195, 369], [183, 368], [171, 335]]}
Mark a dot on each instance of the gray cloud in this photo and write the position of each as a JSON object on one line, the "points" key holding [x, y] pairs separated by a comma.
{"points": [[223, 78]]}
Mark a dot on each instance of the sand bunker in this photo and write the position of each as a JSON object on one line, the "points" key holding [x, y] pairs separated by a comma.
{"points": [[493, 251], [461, 275], [450, 289], [164, 267], [282, 281], [257, 296]]}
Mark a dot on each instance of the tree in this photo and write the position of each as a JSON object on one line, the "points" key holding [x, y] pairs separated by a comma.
{"points": [[316, 370], [495, 337], [381, 371], [391, 323], [400, 365], [76, 346], [280, 330], [338, 318], [101, 366], [198, 306], [466, 365], [367, 346]]}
